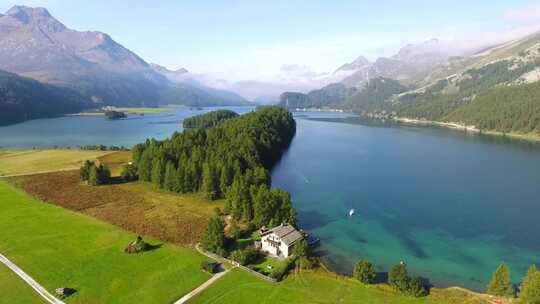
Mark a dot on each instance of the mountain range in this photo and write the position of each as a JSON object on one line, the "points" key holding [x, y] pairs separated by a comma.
{"points": [[490, 89], [91, 66]]}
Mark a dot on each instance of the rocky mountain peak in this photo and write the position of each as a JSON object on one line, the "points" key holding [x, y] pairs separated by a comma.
{"points": [[359, 63], [37, 16]]}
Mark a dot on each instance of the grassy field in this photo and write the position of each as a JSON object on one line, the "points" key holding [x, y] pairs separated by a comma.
{"points": [[29, 161], [60, 248], [116, 161], [136, 207], [239, 286], [19, 291]]}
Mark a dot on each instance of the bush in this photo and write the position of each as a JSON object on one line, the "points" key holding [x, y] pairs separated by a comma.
{"points": [[85, 170], [364, 272], [244, 256], [417, 288], [279, 272], [129, 173], [98, 175], [209, 267], [400, 280]]}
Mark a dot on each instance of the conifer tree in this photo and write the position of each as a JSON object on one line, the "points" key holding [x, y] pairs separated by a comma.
{"points": [[500, 284], [530, 287], [364, 272], [213, 238], [170, 180]]}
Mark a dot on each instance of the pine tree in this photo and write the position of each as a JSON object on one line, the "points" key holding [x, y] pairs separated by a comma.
{"points": [[93, 176], [500, 284], [301, 249], [157, 173], [85, 170], [530, 287], [170, 180], [364, 272], [213, 238], [179, 184], [209, 182], [225, 179], [399, 278]]}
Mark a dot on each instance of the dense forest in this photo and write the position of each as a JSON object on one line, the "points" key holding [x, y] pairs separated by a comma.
{"points": [[439, 101], [506, 109], [231, 160], [208, 120]]}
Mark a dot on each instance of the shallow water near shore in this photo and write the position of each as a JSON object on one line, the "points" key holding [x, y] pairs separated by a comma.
{"points": [[450, 205]]}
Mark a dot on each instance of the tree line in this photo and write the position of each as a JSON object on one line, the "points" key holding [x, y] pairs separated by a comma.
{"points": [[208, 120], [500, 284], [230, 160]]}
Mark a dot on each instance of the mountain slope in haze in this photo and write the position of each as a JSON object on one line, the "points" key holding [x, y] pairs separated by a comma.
{"points": [[189, 88], [411, 63], [374, 95], [496, 91], [34, 44], [24, 98], [331, 96]]}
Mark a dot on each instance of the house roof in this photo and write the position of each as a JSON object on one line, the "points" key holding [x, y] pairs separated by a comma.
{"points": [[286, 233]]}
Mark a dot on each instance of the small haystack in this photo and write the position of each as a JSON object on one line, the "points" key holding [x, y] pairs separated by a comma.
{"points": [[136, 246]]}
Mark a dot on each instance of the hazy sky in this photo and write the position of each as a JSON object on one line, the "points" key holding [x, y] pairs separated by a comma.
{"points": [[253, 39]]}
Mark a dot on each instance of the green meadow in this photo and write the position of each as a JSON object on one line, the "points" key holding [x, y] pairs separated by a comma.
{"points": [[17, 290], [60, 248], [239, 287]]}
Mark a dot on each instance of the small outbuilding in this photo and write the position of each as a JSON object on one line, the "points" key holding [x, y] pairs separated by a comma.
{"points": [[279, 241]]}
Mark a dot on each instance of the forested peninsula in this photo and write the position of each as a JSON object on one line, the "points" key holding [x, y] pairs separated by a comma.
{"points": [[231, 160]]}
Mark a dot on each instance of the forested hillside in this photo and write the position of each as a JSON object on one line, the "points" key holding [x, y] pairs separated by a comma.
{"points": [[493, 97], [22, 99], [231, 160], [505, 109]]}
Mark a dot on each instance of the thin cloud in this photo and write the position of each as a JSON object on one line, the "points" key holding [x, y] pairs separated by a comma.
{"points": [[530, 13]]}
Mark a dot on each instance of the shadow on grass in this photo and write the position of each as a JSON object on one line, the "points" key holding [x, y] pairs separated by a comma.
{"points": [[151, 247]]}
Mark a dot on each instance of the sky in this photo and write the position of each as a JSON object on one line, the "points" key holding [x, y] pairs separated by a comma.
{"points": [[265, 40]]}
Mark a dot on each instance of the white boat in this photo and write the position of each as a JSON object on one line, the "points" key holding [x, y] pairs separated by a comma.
{"points": [[351, 212]]}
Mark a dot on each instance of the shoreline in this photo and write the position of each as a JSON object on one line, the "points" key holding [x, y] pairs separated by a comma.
{"points": [[467, 129]]}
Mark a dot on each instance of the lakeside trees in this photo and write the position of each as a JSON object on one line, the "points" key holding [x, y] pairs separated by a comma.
{"points": [[500, 284], [364, 272], [530, 287], [229, 160], [399, 279]]}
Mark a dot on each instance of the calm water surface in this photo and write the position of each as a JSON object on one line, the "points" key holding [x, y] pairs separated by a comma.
{"points": [[451, 206]]}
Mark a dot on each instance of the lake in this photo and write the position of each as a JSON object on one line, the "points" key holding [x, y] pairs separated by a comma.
{"points": [[452, 206]]}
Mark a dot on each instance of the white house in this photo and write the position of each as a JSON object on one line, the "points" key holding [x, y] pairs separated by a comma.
{"points": [[279, 241]]}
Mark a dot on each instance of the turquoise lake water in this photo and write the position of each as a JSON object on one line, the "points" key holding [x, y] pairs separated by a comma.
{"points": [[452, 206]]}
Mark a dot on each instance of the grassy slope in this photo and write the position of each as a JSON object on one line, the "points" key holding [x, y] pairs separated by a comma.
{"points": [[19, 291], [61, 248], [314, 287], [28, 161]]}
